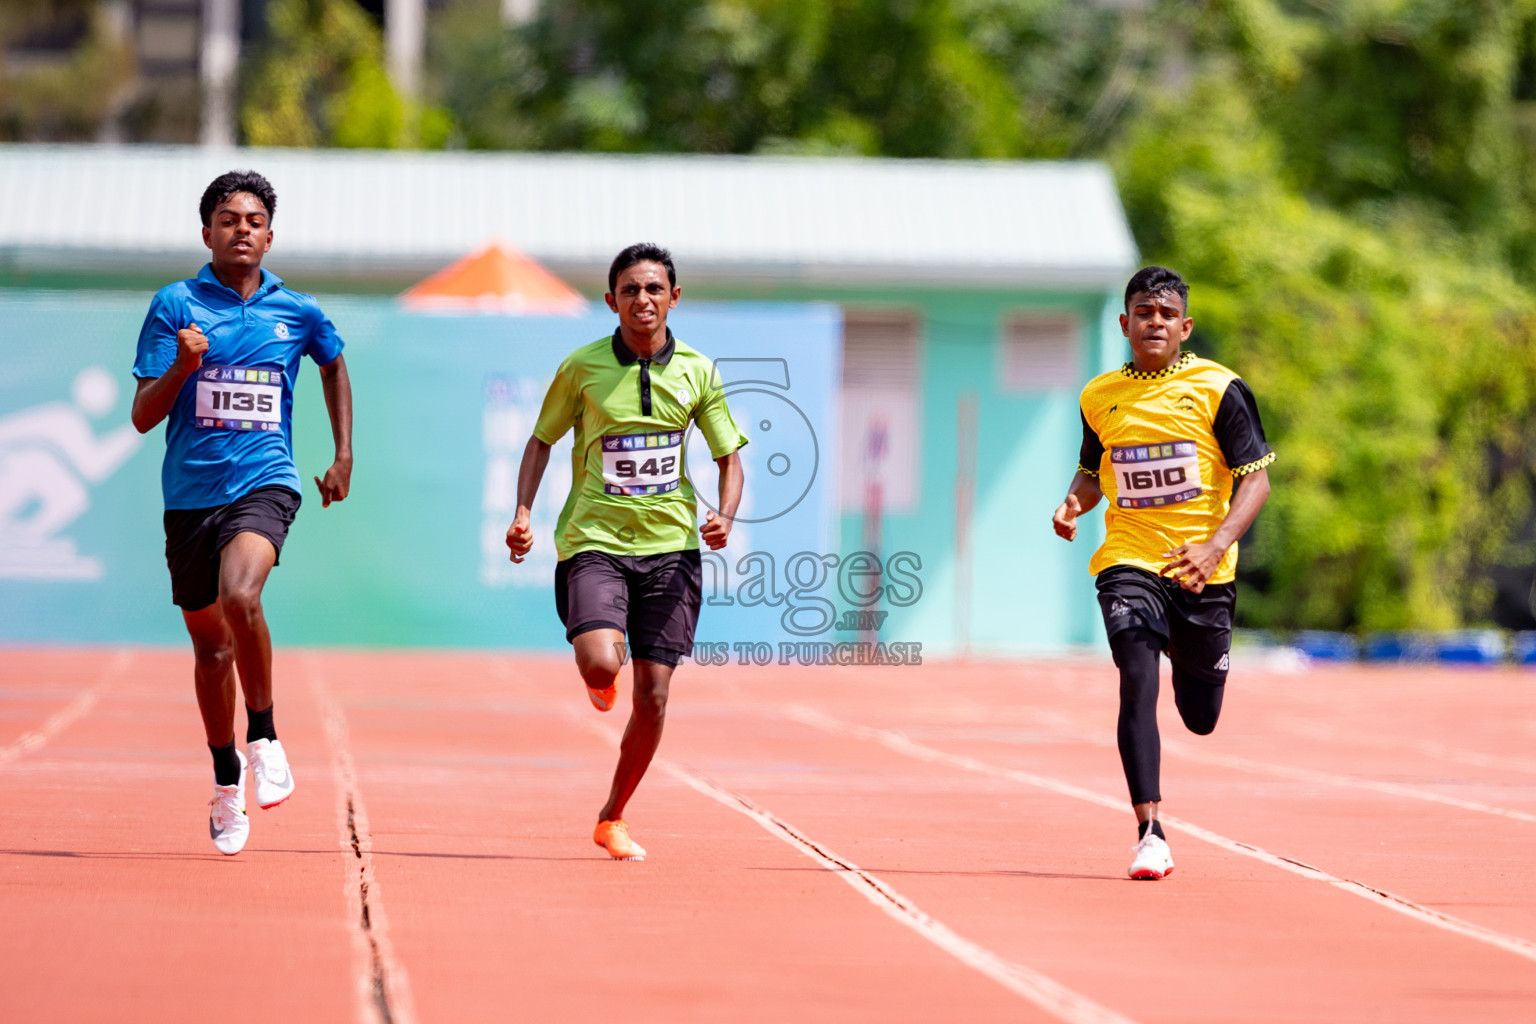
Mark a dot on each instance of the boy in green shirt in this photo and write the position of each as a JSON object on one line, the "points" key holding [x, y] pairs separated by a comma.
{"points": [[628, 555]]}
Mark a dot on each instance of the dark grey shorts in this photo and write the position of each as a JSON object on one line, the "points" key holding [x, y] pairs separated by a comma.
{"points": [[652, 599]]}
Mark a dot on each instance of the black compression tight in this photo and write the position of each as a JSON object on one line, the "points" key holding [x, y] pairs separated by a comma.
{"points": [[1199, 702]]}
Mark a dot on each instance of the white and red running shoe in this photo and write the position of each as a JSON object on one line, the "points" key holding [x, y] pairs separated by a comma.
{"points": [[1152, 858], [269, 767]]}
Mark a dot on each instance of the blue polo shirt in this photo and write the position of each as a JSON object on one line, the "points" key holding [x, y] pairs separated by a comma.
{"points": [[231, 429]]}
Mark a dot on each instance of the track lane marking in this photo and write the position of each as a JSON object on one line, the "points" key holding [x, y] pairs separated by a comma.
{"points": [[382, 989], [1352, 781], [1045, 992], [1323, 733], [36, 739], [1067, 727], [902, 745]]}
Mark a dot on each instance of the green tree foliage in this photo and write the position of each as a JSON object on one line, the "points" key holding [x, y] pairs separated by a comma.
{"points": [[918, 78], [1382, 103], [320, 81]]}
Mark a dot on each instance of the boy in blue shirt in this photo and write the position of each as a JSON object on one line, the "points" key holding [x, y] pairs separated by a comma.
{"points": [[218, 358]]}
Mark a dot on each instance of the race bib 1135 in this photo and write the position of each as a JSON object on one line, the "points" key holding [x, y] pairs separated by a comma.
{"points": [[636, 465], [1156, 475], [239, 398]]}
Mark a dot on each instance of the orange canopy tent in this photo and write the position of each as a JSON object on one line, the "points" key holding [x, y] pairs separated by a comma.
{"points": [[493, 280]]}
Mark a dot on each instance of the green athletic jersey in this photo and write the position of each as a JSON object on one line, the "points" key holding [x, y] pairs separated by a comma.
{"points": [[630, 493]]}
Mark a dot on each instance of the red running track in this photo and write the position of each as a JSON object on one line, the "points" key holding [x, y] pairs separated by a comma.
{"points": [[900, 844]]}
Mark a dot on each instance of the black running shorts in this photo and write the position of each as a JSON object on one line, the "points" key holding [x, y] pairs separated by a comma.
{"points": [[194, 537], [652, 599], [1196, 627]]}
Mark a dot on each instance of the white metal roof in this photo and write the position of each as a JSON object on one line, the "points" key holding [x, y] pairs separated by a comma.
{"points": [[815, 220]]}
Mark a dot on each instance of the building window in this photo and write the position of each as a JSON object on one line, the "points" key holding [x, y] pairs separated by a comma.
{"points": [[881, 427], [1041, 352]]}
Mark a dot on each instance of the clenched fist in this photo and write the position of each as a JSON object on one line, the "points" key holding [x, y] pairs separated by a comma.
{"points": [[1065, 519], [520, 536], [191, 344]]}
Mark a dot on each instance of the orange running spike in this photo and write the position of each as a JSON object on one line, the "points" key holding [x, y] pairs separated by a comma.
{"points": [[614, 837], [604, 700]]}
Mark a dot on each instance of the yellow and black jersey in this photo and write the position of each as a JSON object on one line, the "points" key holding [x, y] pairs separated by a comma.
{"points": [[1167, 448]]}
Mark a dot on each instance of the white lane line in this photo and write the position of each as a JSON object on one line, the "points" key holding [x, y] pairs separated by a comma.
{"points": [[1325, 733], [1046, 993], [382, 990], [1475, 758], [36, 739], [902, 745], [1064, 726], [1189, 753]]}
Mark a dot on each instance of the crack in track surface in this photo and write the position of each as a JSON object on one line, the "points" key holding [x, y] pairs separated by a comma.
{"points": [[383, 990], [376, 971]]}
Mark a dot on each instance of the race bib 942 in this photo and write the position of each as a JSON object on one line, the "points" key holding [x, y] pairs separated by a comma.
{"points": [[635, 465], [239, 398], [1156, 475]]}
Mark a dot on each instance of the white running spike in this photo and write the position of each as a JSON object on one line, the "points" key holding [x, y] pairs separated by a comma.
{"points": [[228, 825], [1152, 858], [269, 767]]}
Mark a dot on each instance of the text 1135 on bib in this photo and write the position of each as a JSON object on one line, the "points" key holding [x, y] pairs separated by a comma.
{"points": [[239, 398]]}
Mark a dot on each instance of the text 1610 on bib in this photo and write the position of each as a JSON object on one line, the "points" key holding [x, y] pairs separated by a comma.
{"points": [[239, 398], [639, 464], [1156, 475]]}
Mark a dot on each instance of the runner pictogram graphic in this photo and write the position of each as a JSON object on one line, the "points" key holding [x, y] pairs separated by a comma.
{"points": [[50, 455]]}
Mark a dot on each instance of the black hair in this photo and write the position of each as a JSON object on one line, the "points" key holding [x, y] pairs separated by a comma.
{"points": [[230, 182], [1157, 281], [641, 252]]}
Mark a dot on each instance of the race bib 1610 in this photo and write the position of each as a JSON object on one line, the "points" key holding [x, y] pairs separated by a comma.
{"points": [[635, 465], [1156, 475], [239, 398]]}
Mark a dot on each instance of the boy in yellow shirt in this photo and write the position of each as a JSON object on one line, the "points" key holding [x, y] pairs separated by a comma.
{"points": [[1175, 445]]}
